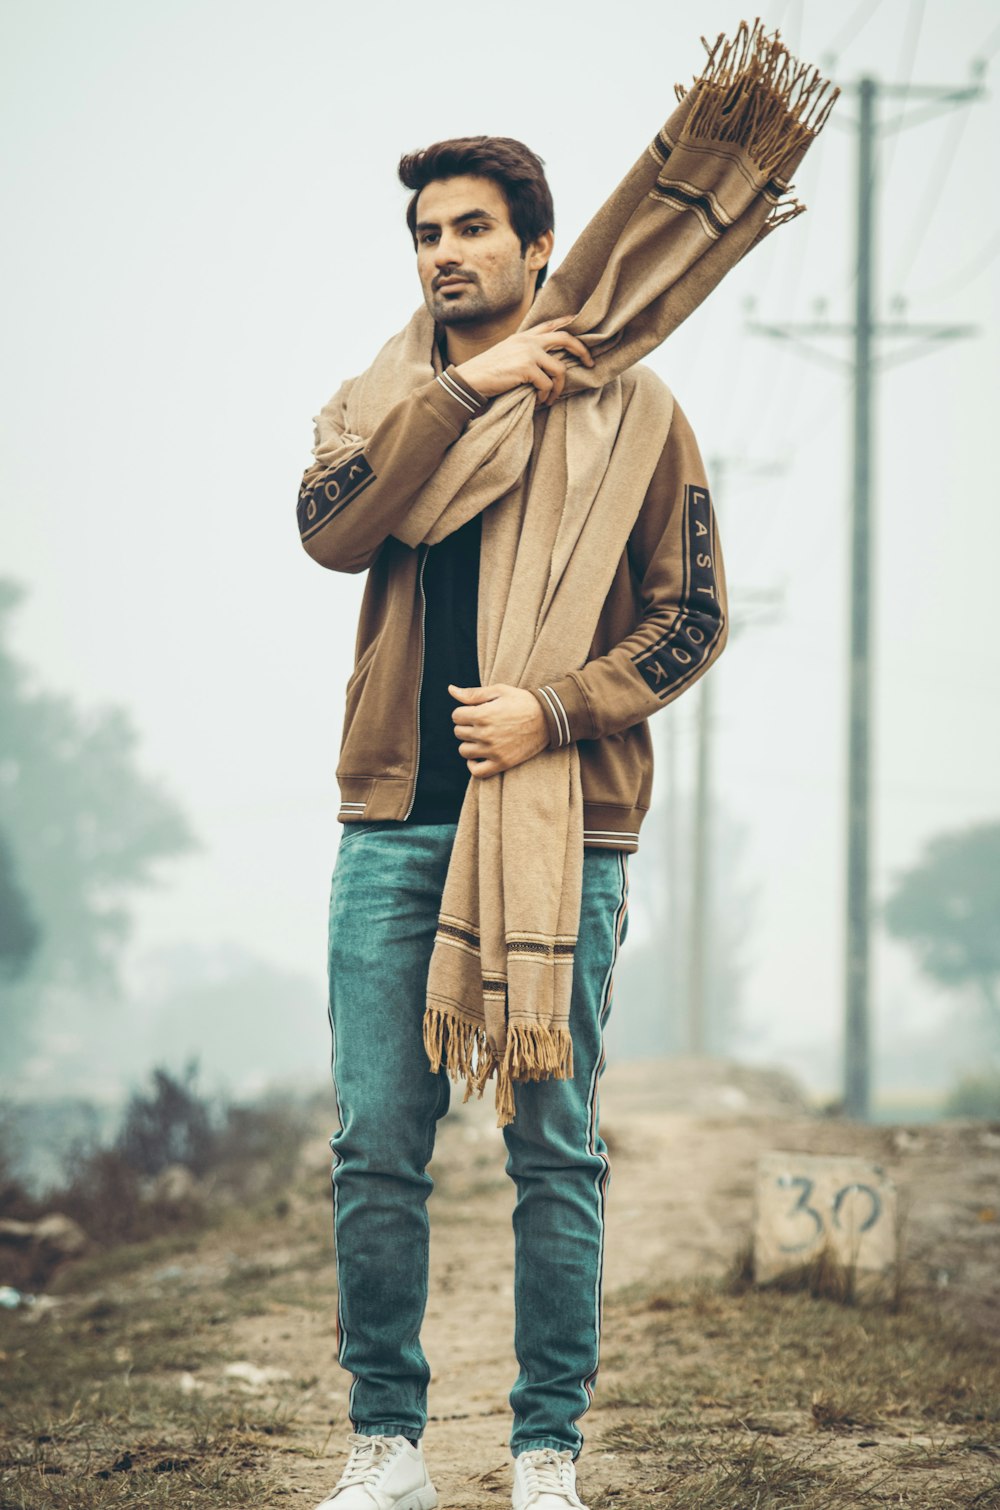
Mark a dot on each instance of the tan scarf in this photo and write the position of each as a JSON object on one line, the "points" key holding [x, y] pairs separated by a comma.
{"points": [[566, 486]]}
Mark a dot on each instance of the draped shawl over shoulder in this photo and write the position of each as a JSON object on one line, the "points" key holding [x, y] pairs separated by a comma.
{"points": [[711, 186]]}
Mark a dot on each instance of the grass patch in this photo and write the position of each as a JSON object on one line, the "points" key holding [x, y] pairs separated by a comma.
{"points": [[651, 1435], [90, 1420], [122, 1466], [729, 1395], [108, 1264], [692, 1473], [824, 1275], [715, 1394], [116, 1396]]}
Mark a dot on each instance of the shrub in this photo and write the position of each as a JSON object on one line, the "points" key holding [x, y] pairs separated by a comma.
{"points": [[974, 1096], [102, 1192], [172, 1124], [114, 1187]]}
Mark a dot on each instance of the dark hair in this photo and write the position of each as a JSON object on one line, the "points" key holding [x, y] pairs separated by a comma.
{"points": [[513, 167]]}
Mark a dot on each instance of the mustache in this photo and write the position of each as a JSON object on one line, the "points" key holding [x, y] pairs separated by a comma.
{"points": [[451, 278]]}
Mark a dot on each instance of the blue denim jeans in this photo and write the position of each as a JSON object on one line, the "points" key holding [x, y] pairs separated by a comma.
{"points": [[384, 902]]}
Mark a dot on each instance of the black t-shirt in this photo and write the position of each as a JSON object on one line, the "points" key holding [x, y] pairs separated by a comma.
{"points": [[451, 595]]}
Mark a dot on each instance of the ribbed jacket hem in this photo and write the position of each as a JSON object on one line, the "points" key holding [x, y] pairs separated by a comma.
{"points": [[385, 799]]}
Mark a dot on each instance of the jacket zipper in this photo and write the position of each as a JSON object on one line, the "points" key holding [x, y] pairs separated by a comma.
{"points": [[420, 678]]}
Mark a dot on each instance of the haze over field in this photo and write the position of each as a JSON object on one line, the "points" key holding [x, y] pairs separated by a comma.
{"points": [[205, 236]]}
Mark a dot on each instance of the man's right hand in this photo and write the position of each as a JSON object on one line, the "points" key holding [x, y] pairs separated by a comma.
{"points": [[528, 356]]}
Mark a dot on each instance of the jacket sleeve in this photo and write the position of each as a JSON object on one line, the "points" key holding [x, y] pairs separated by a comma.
{"points": [[359, 488], [674, 554]]}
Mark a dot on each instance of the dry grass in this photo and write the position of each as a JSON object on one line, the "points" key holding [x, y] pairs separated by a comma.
{"points": [[760, 1398], [93, 1409], [715, 1393], [88, 1421]]}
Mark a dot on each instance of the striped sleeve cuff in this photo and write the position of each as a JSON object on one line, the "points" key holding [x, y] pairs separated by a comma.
{"points": [[566, 712], [461, 392], [555, 717]]}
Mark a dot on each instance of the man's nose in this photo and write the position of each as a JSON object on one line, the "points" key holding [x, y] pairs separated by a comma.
{"points": [[446, 253]]}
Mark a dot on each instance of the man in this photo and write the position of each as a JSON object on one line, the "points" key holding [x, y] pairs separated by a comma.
{"points": [[418, 729]]}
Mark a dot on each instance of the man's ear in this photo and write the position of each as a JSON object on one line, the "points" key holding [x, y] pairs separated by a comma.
{"points": [[540, 251]]}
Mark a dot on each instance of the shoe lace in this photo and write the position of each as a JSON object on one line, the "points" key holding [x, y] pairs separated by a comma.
{"points": [[369, 1456], [546, 1472]]}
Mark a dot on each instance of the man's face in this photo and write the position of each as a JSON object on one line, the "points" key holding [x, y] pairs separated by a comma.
{"points": [[469, 258]]}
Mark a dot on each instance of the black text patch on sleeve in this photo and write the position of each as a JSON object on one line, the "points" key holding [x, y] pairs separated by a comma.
{"points": [[320, 500], [677, 656]]}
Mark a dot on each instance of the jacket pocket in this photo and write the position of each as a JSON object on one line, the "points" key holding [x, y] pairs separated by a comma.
{"points": [[362, 666]]}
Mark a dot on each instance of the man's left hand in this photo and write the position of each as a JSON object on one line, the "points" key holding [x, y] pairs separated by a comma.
{"points": [[498, 727]]}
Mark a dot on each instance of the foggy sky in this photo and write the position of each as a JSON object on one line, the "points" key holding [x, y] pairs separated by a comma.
{"points": [[204, 236]]}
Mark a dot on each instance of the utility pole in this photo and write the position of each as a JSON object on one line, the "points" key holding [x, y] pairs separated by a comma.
{"points": [[857, 963], [670, 838], [865, 332], [701, 901], [702, 912]]}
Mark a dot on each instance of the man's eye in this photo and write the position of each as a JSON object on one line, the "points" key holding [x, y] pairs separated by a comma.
{"points": [[475, 228]]}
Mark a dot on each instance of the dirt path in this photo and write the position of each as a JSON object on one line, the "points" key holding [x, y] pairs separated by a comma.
{"points": [[680, 1205]]}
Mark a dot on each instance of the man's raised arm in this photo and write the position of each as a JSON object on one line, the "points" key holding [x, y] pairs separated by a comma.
{"points": [[359, 489], [674, 550]]}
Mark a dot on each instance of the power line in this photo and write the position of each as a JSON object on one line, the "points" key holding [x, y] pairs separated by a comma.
{"points": [[908, 50], [972, 270], [860, 17], [814, 424], [797, 8], [790, 289], [930, 197], [866, 334], [780, 17], [700, 943], [856, 22], [910, 40], [793, 253], [991, 45]]}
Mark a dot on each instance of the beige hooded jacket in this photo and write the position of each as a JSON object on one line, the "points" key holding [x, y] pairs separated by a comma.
{"points": [[662, 625]]}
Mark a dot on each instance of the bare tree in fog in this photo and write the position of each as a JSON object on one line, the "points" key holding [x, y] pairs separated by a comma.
{"points": [[947, 908], [20, 934], [85, 828], [651, 1005]]}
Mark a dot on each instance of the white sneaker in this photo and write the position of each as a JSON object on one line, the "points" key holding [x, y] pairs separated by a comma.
{"points": [[382, 1473], [545, 1480]]}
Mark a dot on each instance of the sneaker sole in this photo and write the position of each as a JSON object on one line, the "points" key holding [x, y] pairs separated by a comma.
{"points": [[420, 1499]]}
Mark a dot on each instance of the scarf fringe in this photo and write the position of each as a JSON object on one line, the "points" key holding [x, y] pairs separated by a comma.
{"points": [[753, 92], [533, 1051], [460, 1045], [785, 210]]}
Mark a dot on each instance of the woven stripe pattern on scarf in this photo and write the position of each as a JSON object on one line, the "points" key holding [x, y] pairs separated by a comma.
{"points": [[562, 488]]}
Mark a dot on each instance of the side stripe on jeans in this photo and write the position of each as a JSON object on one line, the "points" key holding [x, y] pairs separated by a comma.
{"points": [[604, 1177], [341, 1328]]}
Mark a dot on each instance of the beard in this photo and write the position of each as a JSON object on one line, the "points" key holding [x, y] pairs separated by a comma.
{"points": [[474, 306]]}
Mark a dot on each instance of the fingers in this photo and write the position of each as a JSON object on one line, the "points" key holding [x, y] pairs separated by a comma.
{"points": [[550, 329], [557, 372], [548, 374], [471, 695], [550, 378], [541, 382], [563, 341], [485, 767]]}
